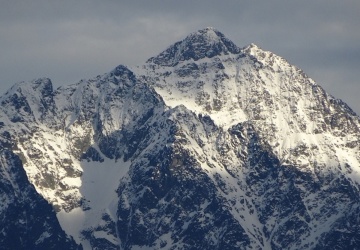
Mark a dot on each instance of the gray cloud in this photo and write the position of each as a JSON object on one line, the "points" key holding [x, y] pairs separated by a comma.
{"points": [[70, 40]]}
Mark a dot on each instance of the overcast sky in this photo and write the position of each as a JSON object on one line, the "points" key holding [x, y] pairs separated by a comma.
{"points": [[72, 40]]}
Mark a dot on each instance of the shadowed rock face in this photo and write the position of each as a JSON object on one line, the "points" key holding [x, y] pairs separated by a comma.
{"points": [[27, 220], [205, 146]]}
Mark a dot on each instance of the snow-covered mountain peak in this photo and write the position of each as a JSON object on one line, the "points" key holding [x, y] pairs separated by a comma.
{"points": [[29, 100], [209, 34], [121, 72], [205, 43], [206, 146], [252, 47], [221, 86], [266, 57], [255, 86], [42, 86]]}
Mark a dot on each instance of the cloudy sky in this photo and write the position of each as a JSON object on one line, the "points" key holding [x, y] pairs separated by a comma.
{"points": [[72, 40]]}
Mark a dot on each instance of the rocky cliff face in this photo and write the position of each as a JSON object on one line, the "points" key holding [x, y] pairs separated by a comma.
{"points": [[27, 220], [205, 146]]}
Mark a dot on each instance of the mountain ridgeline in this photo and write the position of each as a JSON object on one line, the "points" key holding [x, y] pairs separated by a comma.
{"points": [[205, 146]]}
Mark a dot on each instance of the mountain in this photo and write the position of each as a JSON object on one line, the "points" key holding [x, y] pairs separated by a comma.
{"points": [[205, 146]]}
